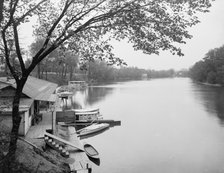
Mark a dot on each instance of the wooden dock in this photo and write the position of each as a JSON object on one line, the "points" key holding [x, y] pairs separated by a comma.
{"points": [[79, 162]]}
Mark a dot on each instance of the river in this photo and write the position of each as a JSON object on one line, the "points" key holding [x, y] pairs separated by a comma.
{"points": [[167, 126]]}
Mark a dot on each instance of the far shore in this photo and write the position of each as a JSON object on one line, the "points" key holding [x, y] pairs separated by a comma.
{"points": [[209, 84]]}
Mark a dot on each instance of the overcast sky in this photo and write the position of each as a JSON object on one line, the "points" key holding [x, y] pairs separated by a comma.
{"points": [[207, 35]]}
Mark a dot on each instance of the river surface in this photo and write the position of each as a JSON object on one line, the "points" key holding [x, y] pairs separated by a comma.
{"points": [[167, 126]]}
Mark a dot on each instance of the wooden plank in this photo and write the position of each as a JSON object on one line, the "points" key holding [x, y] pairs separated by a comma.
{"points": [[63, 141]]}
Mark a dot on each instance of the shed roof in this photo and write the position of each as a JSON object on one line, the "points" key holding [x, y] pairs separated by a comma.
{"points": [[34, 88], [6, 104]]}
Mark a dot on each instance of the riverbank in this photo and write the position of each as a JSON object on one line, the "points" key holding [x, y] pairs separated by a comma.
{"points": [[209, 84], [30, 159]]}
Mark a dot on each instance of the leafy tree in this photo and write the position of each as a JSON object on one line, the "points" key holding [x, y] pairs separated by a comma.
{"points": [[87, 27], [211, 68]]}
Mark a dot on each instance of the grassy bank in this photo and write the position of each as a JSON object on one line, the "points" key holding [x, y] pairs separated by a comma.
{"points": [[31, 160]]}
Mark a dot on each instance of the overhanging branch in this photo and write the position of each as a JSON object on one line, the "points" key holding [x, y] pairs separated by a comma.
{"points": [[18, 51]]}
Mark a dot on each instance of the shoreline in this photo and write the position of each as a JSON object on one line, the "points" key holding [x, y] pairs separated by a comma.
{"points": [[209, 84]]}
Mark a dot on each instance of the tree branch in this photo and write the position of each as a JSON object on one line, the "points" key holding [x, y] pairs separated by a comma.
{"points": [[18, 51], [30, 11], [1, 10], [74, 19], [35, 58], [6, 50]]}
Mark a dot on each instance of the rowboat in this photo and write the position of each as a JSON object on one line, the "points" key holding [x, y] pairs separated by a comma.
{"points": [[92, 153], [93, 128]]}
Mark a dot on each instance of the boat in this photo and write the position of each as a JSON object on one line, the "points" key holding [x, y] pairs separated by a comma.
{"points": [[93, 128], [62, 88], [83, 115], [77, 84], [65, 94], [86, 110], [79, 116], [92, 154]]}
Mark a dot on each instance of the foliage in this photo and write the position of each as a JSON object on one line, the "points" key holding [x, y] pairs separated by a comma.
{"points": [[60, 61], [211, 68]]}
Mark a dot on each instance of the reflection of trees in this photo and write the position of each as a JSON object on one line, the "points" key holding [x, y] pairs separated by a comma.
{"points": [[91, 95], [96, 94], [212, 98]]}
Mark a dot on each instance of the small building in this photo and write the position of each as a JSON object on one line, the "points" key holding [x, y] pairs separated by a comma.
{"points": [[35, 93]]}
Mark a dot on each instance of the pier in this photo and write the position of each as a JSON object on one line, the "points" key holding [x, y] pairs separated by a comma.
{"points": [[58, 130], [78, 160]]}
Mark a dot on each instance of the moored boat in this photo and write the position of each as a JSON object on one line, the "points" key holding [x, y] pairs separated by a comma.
{"points": [[65, 94], [93, 128], [77, 84], [92, 154], [82, 115]]}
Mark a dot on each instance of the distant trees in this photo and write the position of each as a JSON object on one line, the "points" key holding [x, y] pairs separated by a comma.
{"points": [[211, 68], [61, 61], [99, 71], [161, 73]]}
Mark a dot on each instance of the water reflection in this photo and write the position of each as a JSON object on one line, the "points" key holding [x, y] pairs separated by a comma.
{"points": [[85, 98], [212, 98], [96, 94]]}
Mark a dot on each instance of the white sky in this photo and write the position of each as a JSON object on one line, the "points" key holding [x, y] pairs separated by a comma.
{"points": [[207, 35]]}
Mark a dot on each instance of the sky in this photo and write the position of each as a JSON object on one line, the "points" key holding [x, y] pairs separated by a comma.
{"points": [[207, 35]]}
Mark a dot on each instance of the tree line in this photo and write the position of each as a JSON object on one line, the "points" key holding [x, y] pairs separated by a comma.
{"points": [[99, 71], [211, 68]]}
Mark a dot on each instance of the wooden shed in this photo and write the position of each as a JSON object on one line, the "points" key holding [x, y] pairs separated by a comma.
{"points": [[35, 92]]}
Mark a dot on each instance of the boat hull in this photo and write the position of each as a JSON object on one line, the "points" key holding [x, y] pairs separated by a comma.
{"points": [[96, 128], [92, 154]]}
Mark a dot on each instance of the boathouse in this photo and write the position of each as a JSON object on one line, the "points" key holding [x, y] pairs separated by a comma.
{"points": [[36, 92]]}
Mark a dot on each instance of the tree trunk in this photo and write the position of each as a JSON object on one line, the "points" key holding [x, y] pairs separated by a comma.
{"points": [[66, 69], [46, 73], [62, 71], [38, 71], [6, 69], [71, 73], [16, 119]]}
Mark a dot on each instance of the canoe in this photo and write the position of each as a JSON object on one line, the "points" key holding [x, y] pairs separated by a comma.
{"points": [[92, 154], [94, 128]]}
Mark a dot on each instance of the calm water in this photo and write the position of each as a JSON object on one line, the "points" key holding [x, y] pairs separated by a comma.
{"points": [[167, 126]]}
